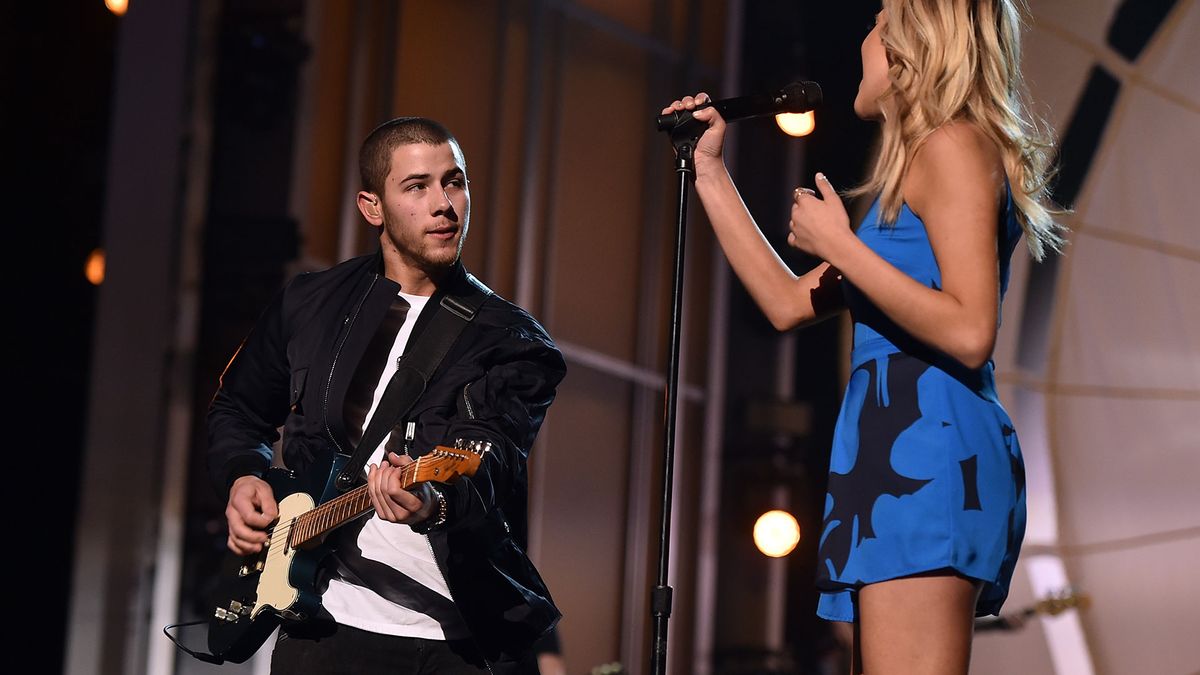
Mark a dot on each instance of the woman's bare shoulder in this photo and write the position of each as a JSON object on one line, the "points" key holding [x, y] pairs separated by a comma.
{"points": [[957, 158]]}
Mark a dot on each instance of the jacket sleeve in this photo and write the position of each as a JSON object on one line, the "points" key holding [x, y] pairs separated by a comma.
{"points": [[251, 402], [504, 407]]}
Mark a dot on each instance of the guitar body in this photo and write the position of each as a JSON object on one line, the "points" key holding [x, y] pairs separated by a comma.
{"points": [[262, 591]]}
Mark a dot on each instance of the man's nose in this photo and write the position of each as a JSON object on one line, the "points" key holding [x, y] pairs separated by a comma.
{"points": [[444, 204]]}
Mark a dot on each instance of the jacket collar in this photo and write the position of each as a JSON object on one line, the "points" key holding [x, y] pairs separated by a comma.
{"points": [[376, 301]]}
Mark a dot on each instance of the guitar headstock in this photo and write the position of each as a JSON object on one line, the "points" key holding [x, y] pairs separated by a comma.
{"points": [[445, 465]]}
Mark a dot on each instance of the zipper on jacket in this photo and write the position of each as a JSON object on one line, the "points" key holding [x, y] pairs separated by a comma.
{"points": [[349, 321], [467, 401], [410, 432], [438, 564]]}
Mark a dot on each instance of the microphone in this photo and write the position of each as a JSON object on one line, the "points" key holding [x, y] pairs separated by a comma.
{"points": [[796, 97]]}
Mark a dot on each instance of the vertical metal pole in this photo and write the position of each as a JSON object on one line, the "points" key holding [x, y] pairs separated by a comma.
{"points": [[660, 597]]}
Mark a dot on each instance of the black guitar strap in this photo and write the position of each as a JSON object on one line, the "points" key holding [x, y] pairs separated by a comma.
{"points": [[456, 309]]}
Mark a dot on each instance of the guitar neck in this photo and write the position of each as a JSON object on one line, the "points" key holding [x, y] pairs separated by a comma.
{"points": [[318, 522]]}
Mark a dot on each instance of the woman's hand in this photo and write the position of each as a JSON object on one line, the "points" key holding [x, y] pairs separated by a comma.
{"points": [[708, 155], [818, 223]]}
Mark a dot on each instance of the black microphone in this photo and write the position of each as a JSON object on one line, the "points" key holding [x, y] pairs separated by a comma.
{"points": [[796, 97]]}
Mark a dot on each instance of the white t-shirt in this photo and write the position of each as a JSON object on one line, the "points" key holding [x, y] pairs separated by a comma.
{"points": [[387, 580]]}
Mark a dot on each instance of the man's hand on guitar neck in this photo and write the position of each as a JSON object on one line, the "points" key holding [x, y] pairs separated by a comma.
{"points": [[391, 500], [251, 509]]}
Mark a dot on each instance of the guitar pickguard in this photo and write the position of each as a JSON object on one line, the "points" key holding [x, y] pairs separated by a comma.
{"points": [[274, 589]]}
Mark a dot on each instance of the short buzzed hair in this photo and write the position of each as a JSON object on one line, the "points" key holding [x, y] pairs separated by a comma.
{"points": [[375, 156]]}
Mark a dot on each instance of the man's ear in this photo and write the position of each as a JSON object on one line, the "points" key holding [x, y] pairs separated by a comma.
{"points": [[371, 206]]}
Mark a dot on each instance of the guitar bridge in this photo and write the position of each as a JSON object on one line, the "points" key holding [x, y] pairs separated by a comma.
{"points": [[236, 611]]}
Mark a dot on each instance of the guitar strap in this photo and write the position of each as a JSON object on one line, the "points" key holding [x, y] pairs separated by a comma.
{"points": [[418, 364]]}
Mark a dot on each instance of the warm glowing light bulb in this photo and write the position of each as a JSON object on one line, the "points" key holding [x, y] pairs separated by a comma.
{"points": [[776, 533], [94, 268], [796, 124], [117, 7]]}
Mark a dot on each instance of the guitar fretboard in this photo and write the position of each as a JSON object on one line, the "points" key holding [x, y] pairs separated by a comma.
{"points": [[339, 511]]}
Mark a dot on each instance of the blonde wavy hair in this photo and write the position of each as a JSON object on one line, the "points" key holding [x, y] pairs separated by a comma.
{"points": [[960, 60]]}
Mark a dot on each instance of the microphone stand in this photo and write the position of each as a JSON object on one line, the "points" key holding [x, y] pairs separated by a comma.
{"points": [[685, 131], [683, 138]]}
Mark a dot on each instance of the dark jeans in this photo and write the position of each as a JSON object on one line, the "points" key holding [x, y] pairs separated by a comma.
{"points": [[350, 651]]}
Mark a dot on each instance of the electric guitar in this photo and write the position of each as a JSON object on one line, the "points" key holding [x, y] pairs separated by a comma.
{"points": [[278, 584]]}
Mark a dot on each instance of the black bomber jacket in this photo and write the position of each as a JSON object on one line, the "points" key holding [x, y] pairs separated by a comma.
{"points": [[494, 385]]}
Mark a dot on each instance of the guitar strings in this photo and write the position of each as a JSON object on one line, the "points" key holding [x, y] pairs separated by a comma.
{"points": [[326, 510]]}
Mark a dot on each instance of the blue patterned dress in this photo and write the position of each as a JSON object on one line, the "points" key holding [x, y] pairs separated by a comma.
{"points": [[926, 473]]}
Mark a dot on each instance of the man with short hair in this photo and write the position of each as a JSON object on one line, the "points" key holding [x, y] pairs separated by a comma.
{"points": [[436, 579]]}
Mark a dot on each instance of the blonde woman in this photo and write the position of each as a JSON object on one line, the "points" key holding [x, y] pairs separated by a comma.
{"points": [[926, 504]]}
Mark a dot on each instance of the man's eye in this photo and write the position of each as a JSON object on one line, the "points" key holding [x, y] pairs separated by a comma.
{"points": [[415, 186], [455, 182]]}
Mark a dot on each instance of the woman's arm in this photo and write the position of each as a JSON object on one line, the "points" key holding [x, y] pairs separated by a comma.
{"points": [[787, 300], [954, 185]]}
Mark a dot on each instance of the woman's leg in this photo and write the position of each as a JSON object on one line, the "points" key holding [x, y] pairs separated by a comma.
{"points": [[856, 667], [920, 625]]}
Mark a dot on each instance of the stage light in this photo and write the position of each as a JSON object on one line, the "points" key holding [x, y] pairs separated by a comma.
{"points": [[776, 533], [796, 124], [117, 7], [94, 268]]}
